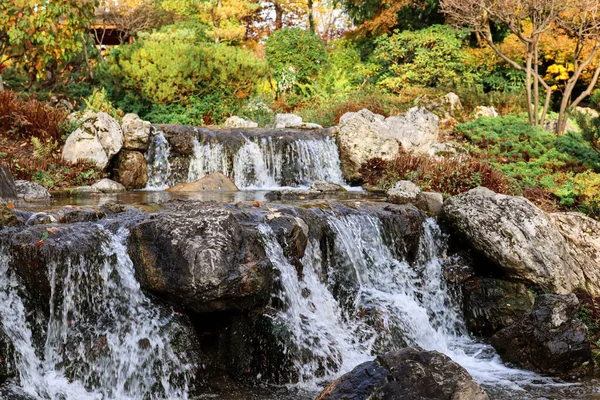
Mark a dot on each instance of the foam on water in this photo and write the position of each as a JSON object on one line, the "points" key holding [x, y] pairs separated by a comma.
{"points": [[104, 338]]}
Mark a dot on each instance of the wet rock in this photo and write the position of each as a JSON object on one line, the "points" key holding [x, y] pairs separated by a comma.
{"points": [[430, 202], [237, 122], [409, 374], [484, 111], [114, 208], [292, 233], [516, 236], [132, 169], [74, 214], [551, 339], [583, 240], [493, 304], [109, 186], [8, 190], [136, 132], [403, 192], [31, 191], [41, 218], [214, 181], [98, 138], [202, 256], [326, 187]]}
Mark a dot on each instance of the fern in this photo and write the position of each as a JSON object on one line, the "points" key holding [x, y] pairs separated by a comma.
{"points": [[41, 150]]}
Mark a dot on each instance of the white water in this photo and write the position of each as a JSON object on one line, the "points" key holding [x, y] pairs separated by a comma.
{"points": [[259, 164], [159, 165], [104, 338], [408, 305]]}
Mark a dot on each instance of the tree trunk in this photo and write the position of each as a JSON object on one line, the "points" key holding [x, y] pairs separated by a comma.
{"points": [[311, 18], [536, 88], [1, 83], [528, 74], [87, 59], [278, 16]]}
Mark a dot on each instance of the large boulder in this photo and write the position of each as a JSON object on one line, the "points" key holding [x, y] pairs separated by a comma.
{"points": [[430, 202], [203, 257], [8, 190], [132, 169], [517, 237], [403, 192], [237, 122], [551, 339], [136, 132], [583, 239], [31, 191], [98, 138], [408, 374], [364, 135], [493, 304], [292, 121], [214, 181]]}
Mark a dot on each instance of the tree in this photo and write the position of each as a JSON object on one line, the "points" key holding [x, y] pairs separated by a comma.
{"points": [[531, 21], [40, 34]]}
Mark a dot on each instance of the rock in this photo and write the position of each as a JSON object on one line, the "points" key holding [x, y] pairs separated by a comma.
{"points": [[213, 181], [109, 186], [403, 192], [8, 217], [590, 112], [85, 190], [131, 169], [41, 218], [550, 126], [416, 130], [98, 138], [136, 132], [410, 374], [8, 190], [82, 145], [430, 202], [292, 121], [517, 237], [583, 240], [31, 191], [201, 256], [237, 122], [326, 187], [484, 111], [551, 339], [452, 103], [492, 304]]}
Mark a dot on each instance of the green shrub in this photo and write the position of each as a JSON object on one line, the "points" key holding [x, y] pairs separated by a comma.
{"points": [[432, 57], [295, 56], [98, 101]]}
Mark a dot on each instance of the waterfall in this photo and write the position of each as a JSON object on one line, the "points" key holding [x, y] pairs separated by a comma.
{"points": [[258, 165], [394, 304], [104, 338], [159, 165], [208, 158], [317, 160]]}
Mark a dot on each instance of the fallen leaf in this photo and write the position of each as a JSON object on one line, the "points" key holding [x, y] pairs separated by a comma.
{"points": [[23, 144], [38, 244], [256, 204], [53, 231], [11, 206]]}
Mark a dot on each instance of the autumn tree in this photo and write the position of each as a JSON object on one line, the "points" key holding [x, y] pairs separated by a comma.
{"points": [[532, 21], [37, 34]]}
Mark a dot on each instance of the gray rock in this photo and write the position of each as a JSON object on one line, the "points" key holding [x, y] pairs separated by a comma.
{"points": [[551, 124], [517, 237], [430, 202], [403, 192], [292, 121], [98, 138], [237, 122], [8, 217], [41, 218], [583, 240], [484, 111], [452, 103], [132, 169], [590, 112], [417, 130], [493, 304], [86, 190], [31, 191], [408, 374], [8, 190], [551, 339], [109, 186], [136, 132]]}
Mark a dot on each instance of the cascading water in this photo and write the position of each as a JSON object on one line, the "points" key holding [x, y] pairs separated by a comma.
{"points": [[394, 305], [257, 165], [159, 165], [104, 338], [317, 160], [208, 158]]}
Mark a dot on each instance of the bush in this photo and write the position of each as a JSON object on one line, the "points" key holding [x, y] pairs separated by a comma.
{"points": [[449, 176], [432, 57], [29, 118], [295, 56], [169, 67]]}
